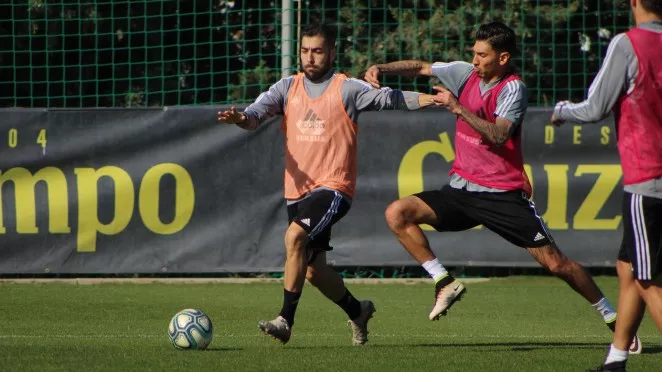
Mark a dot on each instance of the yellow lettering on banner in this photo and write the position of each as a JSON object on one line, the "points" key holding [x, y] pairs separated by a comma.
{"points": [[410, 173], [149, 198], [557, 196], [41, 138], [605, 132], [608, 179], [549, 134], [577, 135], [13, 138], [24, 189], [88, 218]]}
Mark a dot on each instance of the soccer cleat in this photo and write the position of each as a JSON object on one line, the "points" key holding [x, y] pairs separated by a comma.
{"points": [[635, 345], [277, 328], [359, 326], [610, 367], [444, 298]]}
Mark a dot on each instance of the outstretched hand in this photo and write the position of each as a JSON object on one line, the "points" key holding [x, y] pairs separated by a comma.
{"points": [[231, 116], [556, 121], [446, 99], [372, 76]]}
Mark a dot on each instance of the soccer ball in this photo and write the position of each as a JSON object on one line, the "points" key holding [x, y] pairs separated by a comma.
{"points": [[190, 329]]}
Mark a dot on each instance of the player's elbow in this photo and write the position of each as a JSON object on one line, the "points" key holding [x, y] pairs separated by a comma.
{"points": [[426, 69], [498, 140]]}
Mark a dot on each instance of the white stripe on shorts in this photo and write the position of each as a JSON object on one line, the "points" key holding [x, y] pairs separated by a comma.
{"points": [[542, 222], [642, 248], [326, 219]]}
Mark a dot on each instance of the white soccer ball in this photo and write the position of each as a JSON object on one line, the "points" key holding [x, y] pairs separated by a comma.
{"points": [[190, 329]]}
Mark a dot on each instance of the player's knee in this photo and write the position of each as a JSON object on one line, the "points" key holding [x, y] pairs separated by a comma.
{"points": [[311, 275], [560, 266], [395, 215], [296, 239]]}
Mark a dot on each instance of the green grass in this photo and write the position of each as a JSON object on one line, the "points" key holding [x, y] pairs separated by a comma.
{"points": [[514, 324]]}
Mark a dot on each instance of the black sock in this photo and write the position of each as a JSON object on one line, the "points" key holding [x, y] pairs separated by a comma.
{"points": [[350, 304], [290, 302], [444, 282]]}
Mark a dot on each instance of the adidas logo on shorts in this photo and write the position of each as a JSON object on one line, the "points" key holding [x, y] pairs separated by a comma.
{"points": [[539, 236], [306, 221]]}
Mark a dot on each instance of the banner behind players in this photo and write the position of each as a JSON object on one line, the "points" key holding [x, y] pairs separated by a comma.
{"points": [[167, 190]]}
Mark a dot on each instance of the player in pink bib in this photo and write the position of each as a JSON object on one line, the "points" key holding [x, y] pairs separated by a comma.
{"points": [[629, 83], [488, 185]]}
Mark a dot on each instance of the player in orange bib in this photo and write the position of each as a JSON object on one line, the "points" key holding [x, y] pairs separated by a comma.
{"points": [[320, 109]]}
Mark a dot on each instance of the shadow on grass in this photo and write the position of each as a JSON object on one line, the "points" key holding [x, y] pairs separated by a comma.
{"points": [[527, 346], [514, 346], [530, 346], [222, 349], [657, 349]]}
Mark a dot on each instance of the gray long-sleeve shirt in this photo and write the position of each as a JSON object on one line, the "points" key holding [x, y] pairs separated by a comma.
{"points": [[617, 76], [357, 96], [512, 103]]}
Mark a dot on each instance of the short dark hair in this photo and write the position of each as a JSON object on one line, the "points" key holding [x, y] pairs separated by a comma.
{"points": [[653, 6], [320, 29], [500, 37]]}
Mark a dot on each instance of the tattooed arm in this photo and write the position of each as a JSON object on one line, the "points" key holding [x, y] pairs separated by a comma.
{"points": [[496, 133], [404, 68]]}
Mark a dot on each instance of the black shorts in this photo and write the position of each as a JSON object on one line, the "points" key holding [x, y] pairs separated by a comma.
{"points": [[316, 214], [510, 214], [642, 235]]}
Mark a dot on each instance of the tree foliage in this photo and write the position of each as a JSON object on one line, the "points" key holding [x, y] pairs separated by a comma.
{"points": [[152, 53]]}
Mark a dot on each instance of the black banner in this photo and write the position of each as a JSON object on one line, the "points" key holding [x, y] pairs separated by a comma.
{"points": [[168, 190]]}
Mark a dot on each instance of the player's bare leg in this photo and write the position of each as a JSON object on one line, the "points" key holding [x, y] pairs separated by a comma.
{"points": [[630, 312], [331, 284], [403, 218], [571, 272], [296, 240], [325, 279], [558, 264], [651, 292]]}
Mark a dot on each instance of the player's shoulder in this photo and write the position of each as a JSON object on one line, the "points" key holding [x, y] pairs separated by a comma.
{"points": [[620, 41], [355, 84], [453, 67], [514, 89], [452, 64], [514, 86], [286, 81]]}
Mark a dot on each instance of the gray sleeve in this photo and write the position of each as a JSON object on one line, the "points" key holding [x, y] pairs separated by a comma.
{"points": [[453, 74], [269, 103], [612, 81], [358, 96], [512, 102]]}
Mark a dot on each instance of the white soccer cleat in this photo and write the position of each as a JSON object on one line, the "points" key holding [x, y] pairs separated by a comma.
{"points": [[635, 346], [359, 326], [277, 328], [445, 297]]}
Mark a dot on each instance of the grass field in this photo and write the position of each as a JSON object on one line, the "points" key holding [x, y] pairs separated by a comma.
{"points": [[513, 324]]}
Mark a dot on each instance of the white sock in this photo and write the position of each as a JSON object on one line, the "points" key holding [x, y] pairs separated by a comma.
{"points": [[603, 307], [434, 268], [616, 355]]}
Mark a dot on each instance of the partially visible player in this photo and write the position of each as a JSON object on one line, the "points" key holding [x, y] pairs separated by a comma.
{"points": [[630, 83], [488, 184], [320, 111]]}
